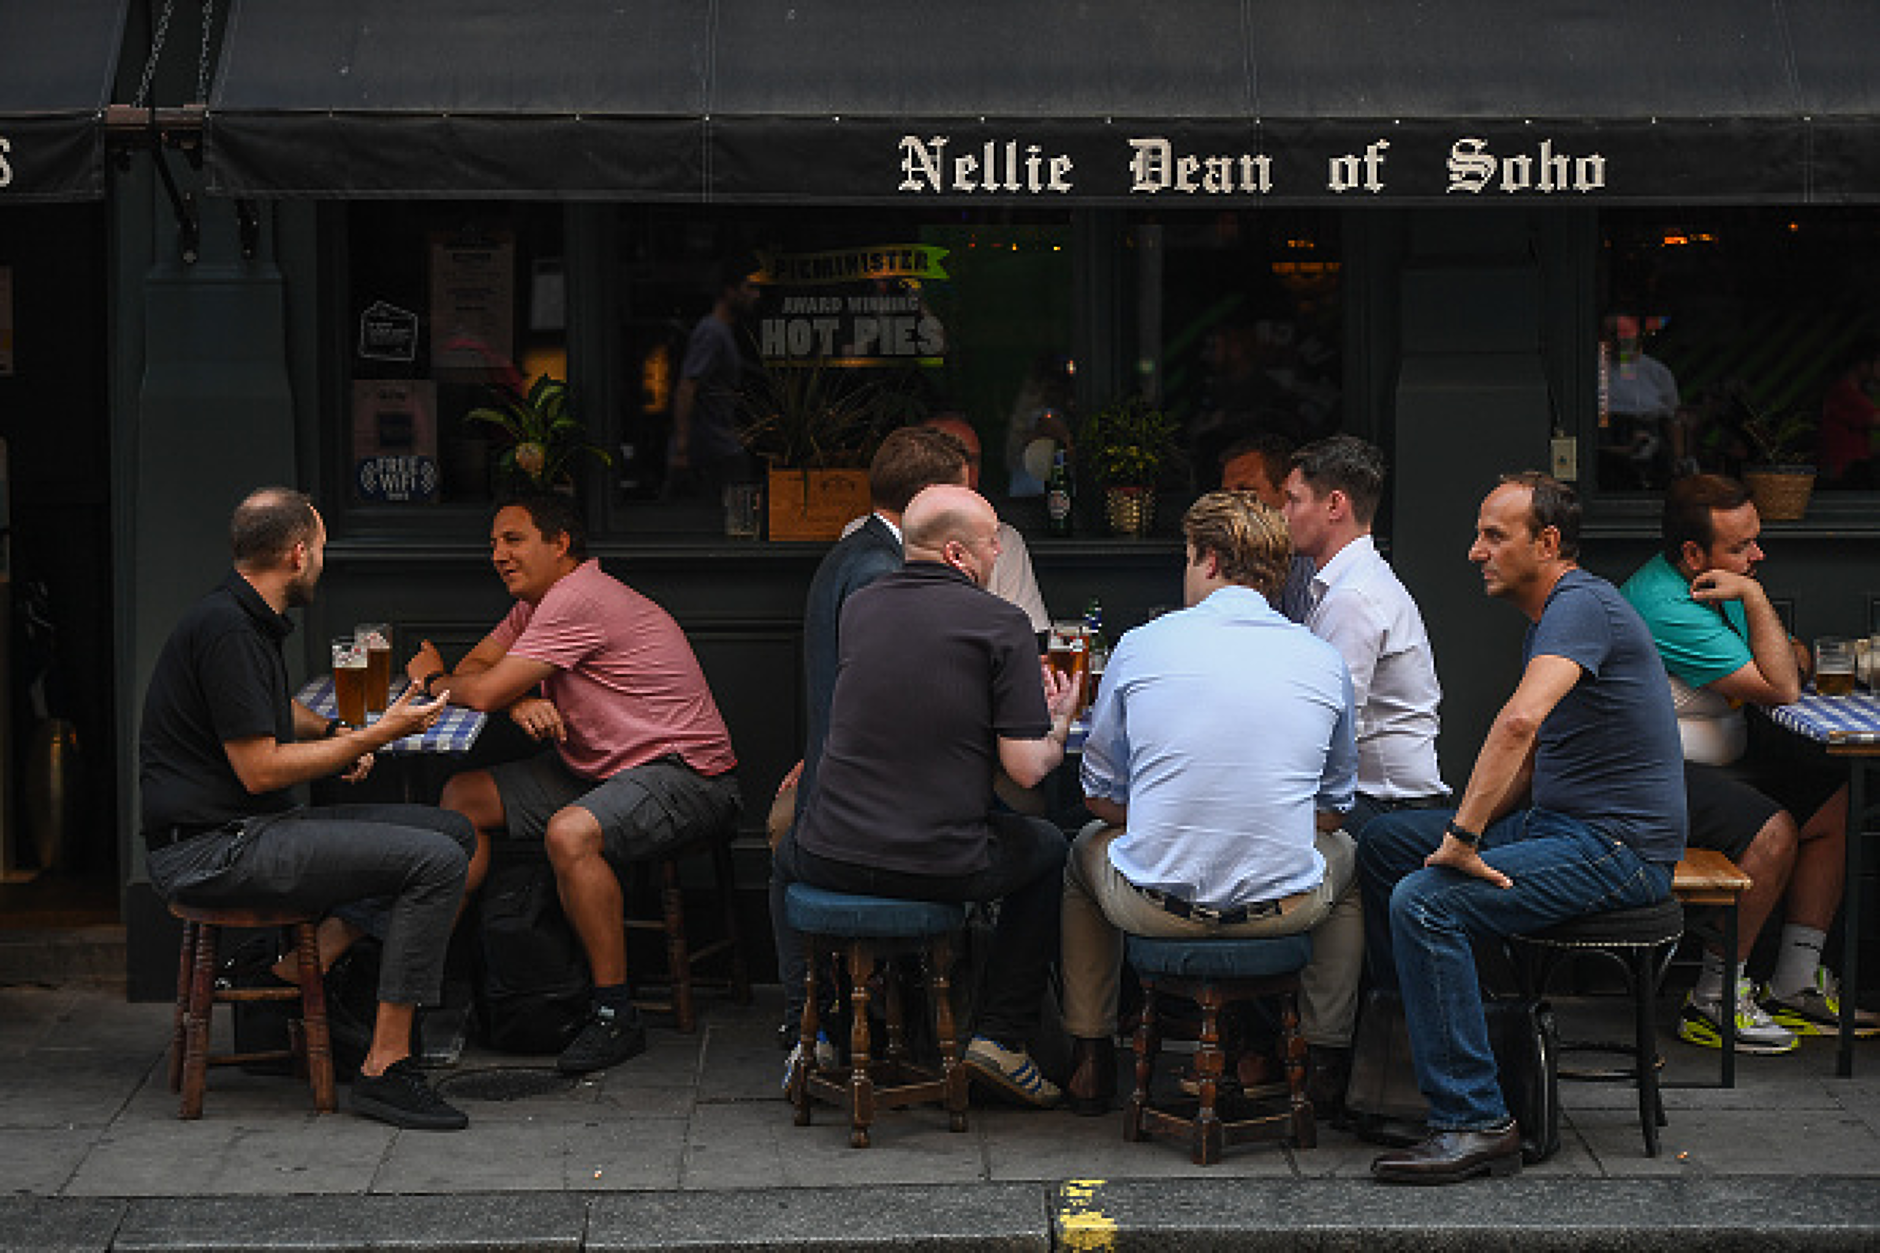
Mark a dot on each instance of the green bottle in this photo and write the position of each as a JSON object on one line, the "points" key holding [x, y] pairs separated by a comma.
{"points": [[1057, 498]]}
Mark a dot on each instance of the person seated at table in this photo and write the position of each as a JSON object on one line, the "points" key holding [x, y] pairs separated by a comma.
{"points": [[1575, 806], [939, 685], [1197, 836], [1259, 464], [221, 744], [639, 761], [1359, 606], [1781, 817]]}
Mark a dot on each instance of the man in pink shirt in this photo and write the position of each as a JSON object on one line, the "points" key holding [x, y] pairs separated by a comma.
{"points": [[641, 761]]}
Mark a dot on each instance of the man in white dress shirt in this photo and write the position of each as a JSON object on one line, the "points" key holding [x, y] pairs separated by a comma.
{"points": [[1356, 603]]}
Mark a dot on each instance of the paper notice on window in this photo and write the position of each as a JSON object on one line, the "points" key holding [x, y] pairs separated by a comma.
{"points": [[6, 321], [473, 301], [395, 439]]}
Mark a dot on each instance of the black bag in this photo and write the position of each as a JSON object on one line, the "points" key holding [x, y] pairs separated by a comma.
{"points": [[1386, 1107], [533, 988], [351, 1004]]}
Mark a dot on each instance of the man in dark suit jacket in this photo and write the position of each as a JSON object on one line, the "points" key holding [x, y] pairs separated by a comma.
{"points": [[908, 460]]}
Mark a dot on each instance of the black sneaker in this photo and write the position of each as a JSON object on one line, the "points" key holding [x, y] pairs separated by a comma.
{"points": [[608, 1038], [402, 1097]]}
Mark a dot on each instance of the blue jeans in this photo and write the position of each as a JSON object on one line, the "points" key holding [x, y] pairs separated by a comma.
{"points": [[1561, 868]]}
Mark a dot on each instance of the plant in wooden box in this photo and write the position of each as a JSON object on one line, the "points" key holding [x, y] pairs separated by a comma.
{"points": [[1129, 444], [1782, 477], [545, 439], [815, 428]]}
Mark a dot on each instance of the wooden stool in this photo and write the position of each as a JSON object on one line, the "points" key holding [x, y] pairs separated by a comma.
{"points": [[861, 929], [1639, 942], [196, 997], [681, 957], [1216, 973], [1706, 878]]}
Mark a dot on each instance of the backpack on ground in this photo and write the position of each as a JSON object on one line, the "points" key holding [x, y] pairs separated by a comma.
{"points": [[533, 988], [1386, 1107]]}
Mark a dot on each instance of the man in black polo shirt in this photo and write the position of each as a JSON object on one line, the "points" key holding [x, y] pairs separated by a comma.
{"points": [[939, 684], [221, 745]]}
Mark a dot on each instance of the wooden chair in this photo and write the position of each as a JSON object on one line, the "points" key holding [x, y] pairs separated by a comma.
{"points": [[309, 1048], [1216, 973], [861, 929], [675, 995]]}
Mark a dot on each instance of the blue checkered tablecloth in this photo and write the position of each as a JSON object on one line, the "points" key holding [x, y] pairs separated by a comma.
{"points": [[454, 732], [1832, 719]]}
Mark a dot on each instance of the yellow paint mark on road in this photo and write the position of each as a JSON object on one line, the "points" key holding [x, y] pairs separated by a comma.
{"points": [[1081, 1222]]}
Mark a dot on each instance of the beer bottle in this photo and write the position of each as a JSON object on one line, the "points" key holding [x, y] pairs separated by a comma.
{"points": [[1057, 498]]}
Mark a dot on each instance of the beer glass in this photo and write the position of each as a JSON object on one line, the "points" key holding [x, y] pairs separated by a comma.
{"points": [[1834, 666], [349, 680], [376, 639], [1069, 655]]}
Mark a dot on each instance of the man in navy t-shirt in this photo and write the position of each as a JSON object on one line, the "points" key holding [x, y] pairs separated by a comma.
{"points": [[1576, 805]]}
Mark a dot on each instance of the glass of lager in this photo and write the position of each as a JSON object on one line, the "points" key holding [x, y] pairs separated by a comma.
{"points": [[349, 680], [1834, 666], [376, 639]]}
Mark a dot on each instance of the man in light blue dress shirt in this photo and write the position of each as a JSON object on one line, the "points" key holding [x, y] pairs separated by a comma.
{"points": [[1219, 761]]}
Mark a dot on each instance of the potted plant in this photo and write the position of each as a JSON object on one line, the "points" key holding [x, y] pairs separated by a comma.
{"points": [[815, 428], [545, 439], [1782, 477], [1128, 445]]}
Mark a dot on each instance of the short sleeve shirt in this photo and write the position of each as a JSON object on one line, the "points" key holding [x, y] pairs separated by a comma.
{"points": [[712, 358], [1608, 754], [219, 677], [1699, 644], [626, 681], [932, 671]]}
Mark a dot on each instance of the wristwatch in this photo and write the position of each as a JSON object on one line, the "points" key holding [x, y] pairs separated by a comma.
{"points": [[429, 679], [1461, 835], [333, 727]]}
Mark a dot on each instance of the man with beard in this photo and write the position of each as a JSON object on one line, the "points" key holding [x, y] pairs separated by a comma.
{"points": [[222, 742]]}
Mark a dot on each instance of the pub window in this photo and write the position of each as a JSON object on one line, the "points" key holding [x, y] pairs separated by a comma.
{"points": [[452, 309], [881, 317], [1729, 339], [1236, 328]]}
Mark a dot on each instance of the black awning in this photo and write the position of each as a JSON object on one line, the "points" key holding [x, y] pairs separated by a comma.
{"points": [[1052, 102], [57, 61]]}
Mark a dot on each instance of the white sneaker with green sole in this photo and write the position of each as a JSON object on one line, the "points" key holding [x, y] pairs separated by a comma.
{"points": [[1816, 1009], [1701, 1023]]}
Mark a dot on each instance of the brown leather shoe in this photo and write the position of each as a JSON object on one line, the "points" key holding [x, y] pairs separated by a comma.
{"points": [[1092, 1085], [1452, 1156]]}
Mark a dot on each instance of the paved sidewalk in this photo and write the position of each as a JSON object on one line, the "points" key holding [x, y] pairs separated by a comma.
{"points": [[691, 1145]]}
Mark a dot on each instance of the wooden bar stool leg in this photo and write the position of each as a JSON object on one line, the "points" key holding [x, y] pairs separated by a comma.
{"points": [[940, 983], [723, 873], [185, 968], [316, 1037], [807, 1028], [678, 962], [861, 1082], [1210, 1063], [196, 1026], [1645, 1048], [1293, 1045], [1147, 1044]]}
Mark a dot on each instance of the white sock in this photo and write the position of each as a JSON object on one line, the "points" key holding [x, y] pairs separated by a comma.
{"points": [[1797, 959], [1709, 987]]}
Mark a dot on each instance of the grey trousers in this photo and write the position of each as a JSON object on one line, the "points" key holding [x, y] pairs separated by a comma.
{"points": [[319, 859], [1100, 905]]}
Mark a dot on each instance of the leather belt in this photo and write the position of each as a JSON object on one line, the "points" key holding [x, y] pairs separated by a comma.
{"points": [[1441, 800], [164, 837], [1219, 917]]}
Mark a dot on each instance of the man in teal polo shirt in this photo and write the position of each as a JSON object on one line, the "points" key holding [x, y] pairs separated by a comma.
{"points": [[1723, 646]]}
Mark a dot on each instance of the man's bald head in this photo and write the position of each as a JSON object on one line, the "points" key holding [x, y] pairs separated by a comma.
{"points": [[955, 526]]}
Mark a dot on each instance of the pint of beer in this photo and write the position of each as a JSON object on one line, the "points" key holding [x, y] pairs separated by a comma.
{"points": [[1834, 667], [1069, 655], [376, 639], [349, 680]]}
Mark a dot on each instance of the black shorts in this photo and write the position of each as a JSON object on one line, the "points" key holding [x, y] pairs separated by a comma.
{"points": [[1725, 812]]}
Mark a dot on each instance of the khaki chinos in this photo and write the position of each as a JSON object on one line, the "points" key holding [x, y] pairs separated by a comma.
{"points": [[1100, 904]]}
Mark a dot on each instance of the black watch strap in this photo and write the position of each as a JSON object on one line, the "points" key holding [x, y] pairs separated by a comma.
{"points": [[429, 679], [1462, 835], [333, 727]]}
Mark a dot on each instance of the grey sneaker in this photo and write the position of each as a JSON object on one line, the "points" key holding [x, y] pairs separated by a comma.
{"points": [[1701, 1023], [1816, 1009], [1011, 1071]]}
